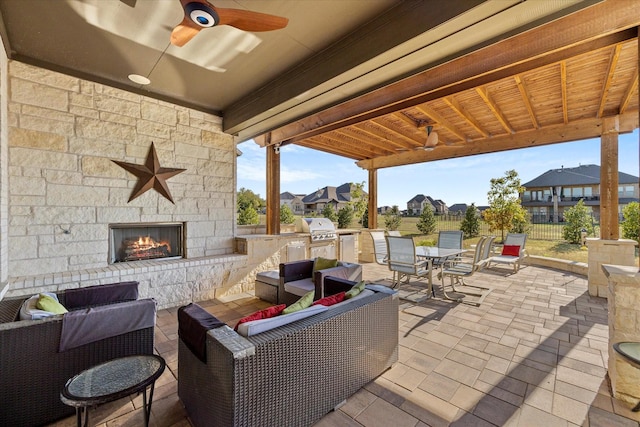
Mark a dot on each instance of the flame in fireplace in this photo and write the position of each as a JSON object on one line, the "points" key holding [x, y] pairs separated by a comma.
{"points": [[147, 242], [145, 247]]}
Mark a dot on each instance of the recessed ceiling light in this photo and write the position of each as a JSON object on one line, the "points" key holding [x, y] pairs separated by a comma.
{"points": [[137, 78]]}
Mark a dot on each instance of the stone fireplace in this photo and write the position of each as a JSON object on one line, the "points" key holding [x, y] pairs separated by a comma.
{"points": [[144, 241]]}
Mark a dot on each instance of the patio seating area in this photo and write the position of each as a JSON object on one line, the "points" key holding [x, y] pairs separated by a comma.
{"points": [[533, 353]]}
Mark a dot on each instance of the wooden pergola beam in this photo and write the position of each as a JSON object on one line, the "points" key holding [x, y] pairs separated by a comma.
{"points": [[602, 25], [578, 130]]}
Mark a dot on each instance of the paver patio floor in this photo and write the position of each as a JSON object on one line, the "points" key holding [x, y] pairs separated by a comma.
{"points": [[534, 353]]}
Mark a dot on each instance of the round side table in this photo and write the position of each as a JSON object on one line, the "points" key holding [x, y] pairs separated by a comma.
{"points": [[111, 381], [630, 351]]}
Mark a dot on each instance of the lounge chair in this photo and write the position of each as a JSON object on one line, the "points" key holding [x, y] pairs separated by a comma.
{"points": [[402, 259], [512, 252]]}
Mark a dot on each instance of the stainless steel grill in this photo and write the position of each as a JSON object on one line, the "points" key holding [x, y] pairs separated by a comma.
{"points": [[322, 235], [320, 229]]}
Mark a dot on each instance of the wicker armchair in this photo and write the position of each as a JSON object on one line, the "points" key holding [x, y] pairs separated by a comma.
{"points": [[302, 271], [294, 374], [34, 371]]}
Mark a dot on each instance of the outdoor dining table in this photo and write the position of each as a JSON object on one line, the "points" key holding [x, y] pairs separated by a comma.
{"points": [[435, 253]]}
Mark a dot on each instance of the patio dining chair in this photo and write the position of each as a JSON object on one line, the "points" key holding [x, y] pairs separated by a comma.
{"points": [[458, 271], [448, 240], [513, 251], [402, 259]]}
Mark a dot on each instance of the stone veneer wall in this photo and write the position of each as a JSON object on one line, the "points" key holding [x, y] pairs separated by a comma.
{"points": [[64, 190]]}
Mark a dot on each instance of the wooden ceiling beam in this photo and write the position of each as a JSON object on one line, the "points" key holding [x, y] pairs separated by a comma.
{"points": [[613, 62], [497, 112], [441, 121], [462, 112], [603, 24], [563, 86], [631, 88], [380, 137], [527, 101], [578, 130], [319, 143], [365, 146], [397, 132]]}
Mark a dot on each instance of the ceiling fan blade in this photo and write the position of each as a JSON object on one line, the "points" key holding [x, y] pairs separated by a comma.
{"points": [[184, 32], [248, 20]]}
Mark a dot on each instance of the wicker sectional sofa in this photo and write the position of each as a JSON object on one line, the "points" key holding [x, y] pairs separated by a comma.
{"points": [[33, 365], [294, 374]]}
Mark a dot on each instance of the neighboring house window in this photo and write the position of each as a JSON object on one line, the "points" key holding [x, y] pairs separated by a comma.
{"points": [[546, 195], [625, 191], [588, 192], [526, 196], [576, 192]]}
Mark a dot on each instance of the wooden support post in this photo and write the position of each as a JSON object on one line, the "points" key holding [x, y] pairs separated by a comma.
{"points": [[373, 199], [273, 187], [609, 179]]}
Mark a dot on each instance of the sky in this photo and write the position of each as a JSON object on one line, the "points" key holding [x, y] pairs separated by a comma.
{"points": [[462, 180]]}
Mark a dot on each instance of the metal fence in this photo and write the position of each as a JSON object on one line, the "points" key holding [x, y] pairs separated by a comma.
{"points": [[541, 228]]}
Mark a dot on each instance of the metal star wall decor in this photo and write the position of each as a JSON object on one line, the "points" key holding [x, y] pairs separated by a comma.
{"points": [[150, 175]]}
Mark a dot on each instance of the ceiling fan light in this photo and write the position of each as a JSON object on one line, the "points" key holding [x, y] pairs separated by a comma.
{"points": [[137, 78], [202, 15]]}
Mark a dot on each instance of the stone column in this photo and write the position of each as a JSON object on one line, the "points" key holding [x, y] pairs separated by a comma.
{"points": [[624, 325], [619, 252]]}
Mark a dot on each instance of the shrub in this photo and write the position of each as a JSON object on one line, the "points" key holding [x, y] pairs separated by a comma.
{"points": [[345, 216], [427, 222], [470, 225], [576, 218], [392, 218], [286, 216], [631, 222]]}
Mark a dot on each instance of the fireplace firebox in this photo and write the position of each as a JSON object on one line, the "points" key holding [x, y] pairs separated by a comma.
{"points": [[144, 241]]}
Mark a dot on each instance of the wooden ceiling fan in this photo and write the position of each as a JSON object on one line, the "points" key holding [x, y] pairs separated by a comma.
{"points": [[200, 14]]}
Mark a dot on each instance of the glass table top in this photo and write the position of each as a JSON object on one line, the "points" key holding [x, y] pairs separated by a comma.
{"points": [[115, 378]]}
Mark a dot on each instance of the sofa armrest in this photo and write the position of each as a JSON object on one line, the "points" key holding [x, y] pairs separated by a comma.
{"points": [[334, 285], [352, 272], [296, 270]]}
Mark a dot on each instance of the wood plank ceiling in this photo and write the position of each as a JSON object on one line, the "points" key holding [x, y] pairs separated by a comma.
{"points": [[560, 96]]}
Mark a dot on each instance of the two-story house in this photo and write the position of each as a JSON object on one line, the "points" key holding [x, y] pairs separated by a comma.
{"points": [[336, 196], [547, 196], [420, 202], [294, 201]]}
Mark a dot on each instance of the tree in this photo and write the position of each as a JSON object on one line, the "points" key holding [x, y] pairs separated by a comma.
{"points": [[427, 222], [345, 216], [576, 218], [248, 215], [631, 222], [392, 218], [359, 201], [470, 224], [247, 207], [365, 218], [247, 197], [329, 212], [504, 203], [286, 216]]}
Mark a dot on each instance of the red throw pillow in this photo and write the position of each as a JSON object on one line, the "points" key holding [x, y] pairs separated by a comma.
{"points": [[513, 250], [262, 314], [330, 300]]}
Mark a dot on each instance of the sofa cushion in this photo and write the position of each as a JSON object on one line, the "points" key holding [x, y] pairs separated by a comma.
{"points": [[193, 324], [321, 263], [362, 294], [355, 290], [258, 326], [304, 302], [268, 312], [331, 299], [271, 277], [299, 287], [93, 324], [100, 294], [30, 311], [48, 303]]}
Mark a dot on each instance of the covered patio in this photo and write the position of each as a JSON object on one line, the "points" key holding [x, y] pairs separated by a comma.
{"points": [[533, 354]]}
